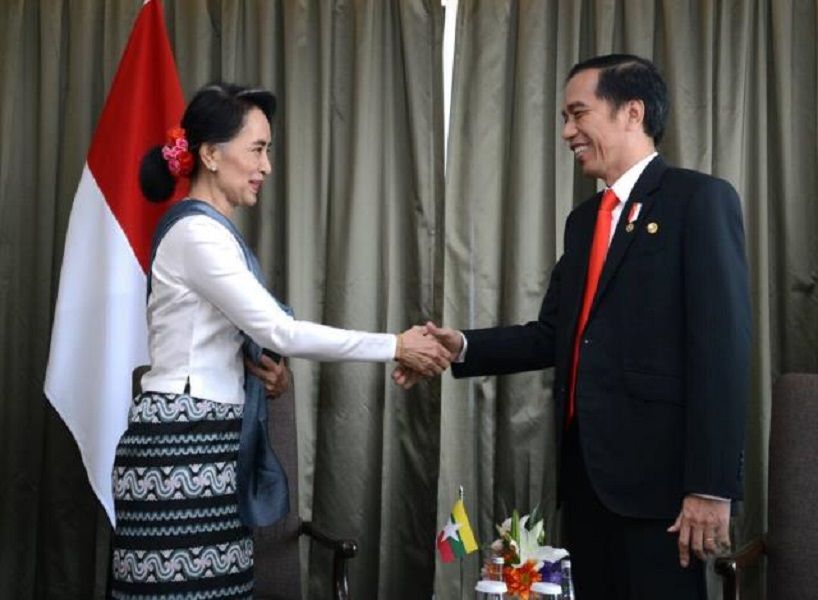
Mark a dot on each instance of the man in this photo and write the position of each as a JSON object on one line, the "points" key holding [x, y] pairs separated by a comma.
{"points": [[647, 323]]}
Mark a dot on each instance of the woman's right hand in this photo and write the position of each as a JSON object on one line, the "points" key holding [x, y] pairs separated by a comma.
{"points": [[421, 352]]}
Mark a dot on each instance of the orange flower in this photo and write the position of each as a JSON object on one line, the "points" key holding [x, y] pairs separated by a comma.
{"points": [[519, 579], [510, 556], [174, 133]]}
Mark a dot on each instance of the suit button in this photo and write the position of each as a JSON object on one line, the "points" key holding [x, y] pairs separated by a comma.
{"points": [[587, 341]]}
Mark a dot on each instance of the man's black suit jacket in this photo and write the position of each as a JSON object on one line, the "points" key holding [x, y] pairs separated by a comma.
{"points": [[664, 359]]}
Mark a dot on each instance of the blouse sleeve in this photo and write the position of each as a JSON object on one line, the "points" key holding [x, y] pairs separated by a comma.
{"points": [[214, 267]]}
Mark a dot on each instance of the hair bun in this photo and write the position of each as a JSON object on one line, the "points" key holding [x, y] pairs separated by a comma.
{"points": [[155, 178]]}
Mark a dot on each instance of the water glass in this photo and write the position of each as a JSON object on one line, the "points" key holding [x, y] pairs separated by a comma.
{"points": [[490, 590], [543, 590]]}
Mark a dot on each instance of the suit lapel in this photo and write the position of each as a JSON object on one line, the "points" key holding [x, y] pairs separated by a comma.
{"points": [[642, 192]]}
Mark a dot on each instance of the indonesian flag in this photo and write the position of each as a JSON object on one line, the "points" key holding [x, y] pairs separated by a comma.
{"points": [[456, 540], [100, 334]]}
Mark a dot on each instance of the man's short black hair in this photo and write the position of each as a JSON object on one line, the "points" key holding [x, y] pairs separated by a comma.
{"points": [[624, 77]]}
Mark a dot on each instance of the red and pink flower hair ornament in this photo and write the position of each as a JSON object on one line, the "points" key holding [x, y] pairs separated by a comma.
{"points": [[176, 153]]}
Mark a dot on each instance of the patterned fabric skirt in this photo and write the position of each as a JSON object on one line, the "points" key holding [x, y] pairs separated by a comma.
{"points": [[178, 532]]}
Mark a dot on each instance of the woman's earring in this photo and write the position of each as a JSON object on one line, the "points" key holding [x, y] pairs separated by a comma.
{"points": [[212, 168]]}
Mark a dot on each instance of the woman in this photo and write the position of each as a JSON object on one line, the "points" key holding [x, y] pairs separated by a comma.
{"points": [[179, 530]]}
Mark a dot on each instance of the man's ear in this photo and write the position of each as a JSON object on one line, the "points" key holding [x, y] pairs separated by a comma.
{"points": [[635, 114]]}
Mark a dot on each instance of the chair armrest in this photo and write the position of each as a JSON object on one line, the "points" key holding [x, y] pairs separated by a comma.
{"points": [[728, 566], [345, 547], [342, 550]]}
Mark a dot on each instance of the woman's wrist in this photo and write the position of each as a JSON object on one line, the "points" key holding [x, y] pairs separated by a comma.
{"points": [[399, 346]]}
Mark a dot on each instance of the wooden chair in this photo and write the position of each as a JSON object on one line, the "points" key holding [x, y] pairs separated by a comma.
{"points": [[791, 542], [277, 565]]}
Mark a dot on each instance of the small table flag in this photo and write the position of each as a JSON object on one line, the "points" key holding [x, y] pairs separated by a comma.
{"points": [[456, 539]]}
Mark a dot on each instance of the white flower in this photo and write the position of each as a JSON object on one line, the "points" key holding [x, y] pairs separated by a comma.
{"points": [[526, 542], [551, 554], [527, 547]]}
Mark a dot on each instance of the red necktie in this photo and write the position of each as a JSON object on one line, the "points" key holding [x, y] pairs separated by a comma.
{"points": [[599, 248]]}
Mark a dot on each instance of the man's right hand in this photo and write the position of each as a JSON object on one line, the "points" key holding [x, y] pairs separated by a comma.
{"points": [[418, 351], [450, 339]]}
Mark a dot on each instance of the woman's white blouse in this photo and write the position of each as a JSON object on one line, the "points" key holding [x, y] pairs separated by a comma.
{"points": [[203, 294]]}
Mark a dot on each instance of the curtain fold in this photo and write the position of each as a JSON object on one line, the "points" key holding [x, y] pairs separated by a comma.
{"points": [[357, 228], [51, 97], [364, 192], [500, 229]]}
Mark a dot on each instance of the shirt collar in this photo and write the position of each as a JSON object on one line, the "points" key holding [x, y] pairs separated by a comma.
{"points": [[623, 186]]}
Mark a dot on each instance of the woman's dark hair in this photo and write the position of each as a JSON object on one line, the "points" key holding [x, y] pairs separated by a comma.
{"points": [[624, 77], [214, 115]]}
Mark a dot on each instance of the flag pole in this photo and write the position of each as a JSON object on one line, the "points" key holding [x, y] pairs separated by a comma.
{"points": [[462, 582], [462, 574]]}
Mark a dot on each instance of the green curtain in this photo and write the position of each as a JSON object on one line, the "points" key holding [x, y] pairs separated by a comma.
{"points": [[364, 194], [742, 79], [354, 230]]}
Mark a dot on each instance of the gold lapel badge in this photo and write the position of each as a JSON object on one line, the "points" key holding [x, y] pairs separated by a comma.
{"points": [[632, 216], [653, 227]]}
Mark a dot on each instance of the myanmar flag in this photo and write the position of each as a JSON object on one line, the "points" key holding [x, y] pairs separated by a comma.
{"points": [[456, 540]]}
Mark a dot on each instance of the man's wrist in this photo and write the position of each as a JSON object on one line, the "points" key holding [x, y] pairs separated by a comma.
{"points": [[710, 497], [461, 356]]}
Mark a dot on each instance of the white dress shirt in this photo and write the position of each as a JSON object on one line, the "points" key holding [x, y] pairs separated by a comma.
{"points": [[203, 295], [623, 187]]}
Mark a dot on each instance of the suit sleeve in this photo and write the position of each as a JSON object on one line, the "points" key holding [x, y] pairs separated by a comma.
{"points": [[718, 332], [515, 348]]}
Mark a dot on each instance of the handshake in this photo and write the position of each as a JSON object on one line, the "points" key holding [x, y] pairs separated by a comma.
{"points": [[425, 351]]}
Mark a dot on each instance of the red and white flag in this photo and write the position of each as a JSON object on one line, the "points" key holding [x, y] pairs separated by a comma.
{"points": [[100, 333]]}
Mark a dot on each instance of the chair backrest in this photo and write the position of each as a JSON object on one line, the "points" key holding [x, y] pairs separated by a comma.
{"points": [[276, 557], [792, 538], [136, 379]]}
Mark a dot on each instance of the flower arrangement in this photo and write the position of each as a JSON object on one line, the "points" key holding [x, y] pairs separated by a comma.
{"points": [[526, 557]]}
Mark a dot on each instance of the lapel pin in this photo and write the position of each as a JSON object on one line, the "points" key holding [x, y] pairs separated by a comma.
{"points": [[629, 227], [634, 213], [653, 227]]}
